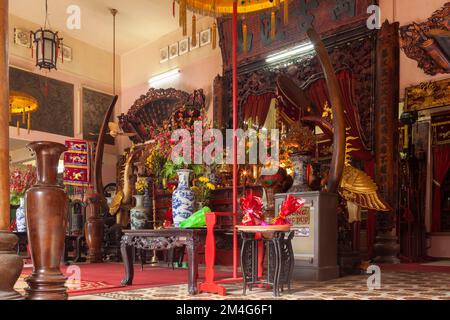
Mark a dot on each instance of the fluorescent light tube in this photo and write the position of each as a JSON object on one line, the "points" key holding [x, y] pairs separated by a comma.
{"points": [[308, 46], [164, 76]]}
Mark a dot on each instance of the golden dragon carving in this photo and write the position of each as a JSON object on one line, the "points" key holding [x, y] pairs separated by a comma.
{"points": [[123, 197]]}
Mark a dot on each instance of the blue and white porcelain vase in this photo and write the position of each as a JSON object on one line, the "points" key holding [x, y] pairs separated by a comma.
{"points": [[183, 201], [139, 214], [21, 220]]}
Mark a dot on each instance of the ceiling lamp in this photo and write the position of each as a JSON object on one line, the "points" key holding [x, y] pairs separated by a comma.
{"points": [[47, 44], [218, 8], [22, 105]]}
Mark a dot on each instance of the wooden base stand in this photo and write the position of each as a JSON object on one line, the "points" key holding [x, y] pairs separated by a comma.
{"points": [[10, 266]]}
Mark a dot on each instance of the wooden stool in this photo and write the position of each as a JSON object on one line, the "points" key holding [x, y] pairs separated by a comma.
{"points": [[280, 257]]}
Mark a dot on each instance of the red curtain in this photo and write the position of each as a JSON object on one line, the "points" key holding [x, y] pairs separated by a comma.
{"points": [[441, 167], [258, 107], [318, 93]]}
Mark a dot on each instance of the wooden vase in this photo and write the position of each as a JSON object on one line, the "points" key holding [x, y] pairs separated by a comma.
{"points": [[46, 211], [94, 229], [10, 266]]}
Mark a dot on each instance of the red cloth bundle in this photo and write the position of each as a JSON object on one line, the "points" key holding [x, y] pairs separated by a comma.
{"points": [[252, 207], [289, 206]]}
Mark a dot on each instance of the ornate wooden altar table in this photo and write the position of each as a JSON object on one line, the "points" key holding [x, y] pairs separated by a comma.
{"points": [[163, 239]]}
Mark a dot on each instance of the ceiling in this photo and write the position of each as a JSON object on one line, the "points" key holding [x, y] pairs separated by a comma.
{"points": [[138, 22]]}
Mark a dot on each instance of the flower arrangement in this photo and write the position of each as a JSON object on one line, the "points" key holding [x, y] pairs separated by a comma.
{"points": [[21, 179], [141, 185], [158, 155], [202, 189]]}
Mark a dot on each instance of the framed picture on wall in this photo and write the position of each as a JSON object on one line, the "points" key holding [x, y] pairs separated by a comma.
{"points": [[163, 54], [205, 37], [173, 50], [183, 46], [66, 53], [22, 38], [191, 47]]}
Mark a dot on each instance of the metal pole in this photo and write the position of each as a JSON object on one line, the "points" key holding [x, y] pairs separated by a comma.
{"points": [[235, 124]]}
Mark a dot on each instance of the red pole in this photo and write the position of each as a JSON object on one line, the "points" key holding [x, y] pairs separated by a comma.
{"points": [[235, 124]]}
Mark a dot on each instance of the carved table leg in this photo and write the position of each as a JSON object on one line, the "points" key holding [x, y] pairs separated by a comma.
{"points": [[193, 268], [127, 258]]}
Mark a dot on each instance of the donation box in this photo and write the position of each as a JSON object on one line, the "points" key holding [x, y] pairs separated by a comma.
{"points": [[316, 236]]}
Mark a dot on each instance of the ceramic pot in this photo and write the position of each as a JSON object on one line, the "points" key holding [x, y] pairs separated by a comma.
{"points": [[139, 214], [300, 164], [183, 201], [46, 212], [21, 220]]}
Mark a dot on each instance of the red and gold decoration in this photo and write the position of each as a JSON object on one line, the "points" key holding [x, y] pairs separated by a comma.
{"points": [[22, 105], [252, 207], [218, 8], [427, 95], [76, 163], [289, 207]]}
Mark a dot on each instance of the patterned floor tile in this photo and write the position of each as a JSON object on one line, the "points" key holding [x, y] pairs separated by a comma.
{"points": [[394, 286]]}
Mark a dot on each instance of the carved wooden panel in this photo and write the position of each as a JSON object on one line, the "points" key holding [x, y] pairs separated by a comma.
{"points": [[155, 107], [428, 95], [56, 102], [429, 43], [95, 105], [323, 15], [355, 54]]}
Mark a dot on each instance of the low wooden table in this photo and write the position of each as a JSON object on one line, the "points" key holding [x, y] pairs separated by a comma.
{"points": [[163, 239]]}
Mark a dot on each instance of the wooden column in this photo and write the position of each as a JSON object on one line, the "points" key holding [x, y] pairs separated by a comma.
{"points": [[10, 263], [386, 139], [4, 117]]}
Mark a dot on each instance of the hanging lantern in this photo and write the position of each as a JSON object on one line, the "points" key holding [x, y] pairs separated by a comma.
{"points": [[22, 105], [47, 44]]}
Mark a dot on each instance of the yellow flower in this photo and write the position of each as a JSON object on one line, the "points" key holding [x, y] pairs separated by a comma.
{"points": [[203, 179], [211, 186]]}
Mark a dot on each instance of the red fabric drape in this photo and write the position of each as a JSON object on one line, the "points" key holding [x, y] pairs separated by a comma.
{"points": [[441, 166], [318, 93], [258, 106]]}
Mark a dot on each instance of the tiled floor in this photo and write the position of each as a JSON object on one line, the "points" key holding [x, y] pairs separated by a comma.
{"points": [[394, 286]]}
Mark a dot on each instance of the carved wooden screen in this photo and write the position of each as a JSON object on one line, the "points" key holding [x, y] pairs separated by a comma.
{"points": [[351, 50], [156, 107]]}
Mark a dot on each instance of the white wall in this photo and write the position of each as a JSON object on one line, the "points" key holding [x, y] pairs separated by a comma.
{"points": [[90, 67], [198, 68]]}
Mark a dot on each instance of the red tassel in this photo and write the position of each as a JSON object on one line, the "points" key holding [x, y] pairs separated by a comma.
{"points": [[31, 42]]}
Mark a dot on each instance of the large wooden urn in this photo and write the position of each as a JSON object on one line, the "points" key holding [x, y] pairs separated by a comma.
{"points": [[46, 208]]}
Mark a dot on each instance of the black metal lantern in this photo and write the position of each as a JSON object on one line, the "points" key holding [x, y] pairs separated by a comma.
{"points": [[47, 44]]}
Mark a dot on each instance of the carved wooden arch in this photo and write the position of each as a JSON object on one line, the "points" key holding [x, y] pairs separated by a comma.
{"points": [[356, 54], [156, 107]]}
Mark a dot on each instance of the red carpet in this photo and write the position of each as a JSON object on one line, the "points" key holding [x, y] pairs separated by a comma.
{"points": [[106, 277]]}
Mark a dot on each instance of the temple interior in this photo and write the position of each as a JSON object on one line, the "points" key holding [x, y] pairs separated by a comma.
{"points": [[223, 149]]}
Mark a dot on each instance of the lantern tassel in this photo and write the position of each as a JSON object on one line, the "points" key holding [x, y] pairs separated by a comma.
{"points": [[244, 36], [18, 127], [286, 12], [29, 122], [214, 35], [272, 26], [23, 117], [31, 44], [194, 30], [184, 10], [173, 8]]}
